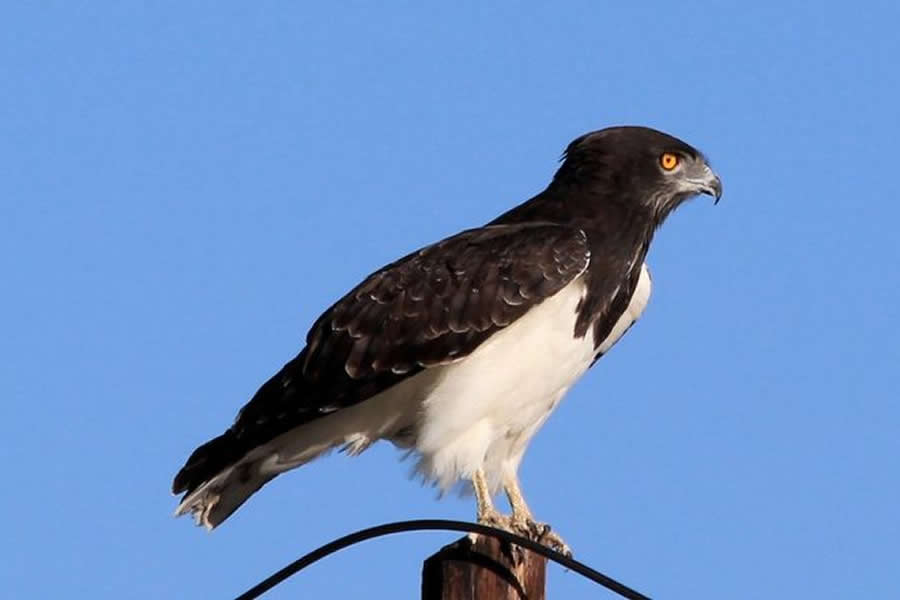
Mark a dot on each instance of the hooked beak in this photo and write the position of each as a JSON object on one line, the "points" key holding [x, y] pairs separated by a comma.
{"points": [[710, 185], [700, 179]]}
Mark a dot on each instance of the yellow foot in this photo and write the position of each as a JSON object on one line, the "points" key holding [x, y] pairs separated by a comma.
{"points": [[526, 527]]}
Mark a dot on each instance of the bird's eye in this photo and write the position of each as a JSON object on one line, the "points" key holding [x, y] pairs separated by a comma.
{"points": [[668, 161]]}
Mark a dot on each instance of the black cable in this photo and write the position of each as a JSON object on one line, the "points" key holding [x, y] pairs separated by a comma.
{"points": [[442, 525]]}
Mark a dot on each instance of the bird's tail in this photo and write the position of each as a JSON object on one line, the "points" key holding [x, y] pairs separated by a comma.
{"points": [[215, 500], [223, 473], [215, 481]]}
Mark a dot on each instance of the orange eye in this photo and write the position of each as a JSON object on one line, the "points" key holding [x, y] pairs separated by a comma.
{"points": [[668, 161]]}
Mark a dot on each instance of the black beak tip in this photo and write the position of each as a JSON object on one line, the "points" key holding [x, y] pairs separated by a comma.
{"points": [[716, 191]]}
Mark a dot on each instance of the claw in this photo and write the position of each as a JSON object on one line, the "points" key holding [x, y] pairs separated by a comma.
{"points": [[538, 532], [543, 534], [520, 522], [551, 540]]}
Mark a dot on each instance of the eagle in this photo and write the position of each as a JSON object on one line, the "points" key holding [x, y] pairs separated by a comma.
{"points": [[459, 352]]}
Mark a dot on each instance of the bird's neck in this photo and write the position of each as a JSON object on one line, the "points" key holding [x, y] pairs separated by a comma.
{"points": [[615, 220]]}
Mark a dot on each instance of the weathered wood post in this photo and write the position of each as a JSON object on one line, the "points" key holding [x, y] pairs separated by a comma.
{"points": [[486, 570]]}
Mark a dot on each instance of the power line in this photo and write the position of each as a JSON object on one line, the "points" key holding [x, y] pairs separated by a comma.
{"points": [[438, 525]]}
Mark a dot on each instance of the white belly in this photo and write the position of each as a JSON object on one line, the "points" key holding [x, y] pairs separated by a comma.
{"points": [[484, 409]]}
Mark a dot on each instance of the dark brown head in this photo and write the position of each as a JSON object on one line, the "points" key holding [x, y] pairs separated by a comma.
{"points": [[638, 165]]}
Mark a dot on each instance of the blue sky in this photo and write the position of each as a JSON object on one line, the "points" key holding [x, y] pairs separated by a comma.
{"points": [[185, 186]]}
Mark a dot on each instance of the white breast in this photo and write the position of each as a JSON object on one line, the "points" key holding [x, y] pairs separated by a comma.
{"points": [[486, 407], [482, 405]]}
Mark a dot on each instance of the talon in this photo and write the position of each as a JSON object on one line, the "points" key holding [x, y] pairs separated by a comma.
{"points": [[543, 534]]}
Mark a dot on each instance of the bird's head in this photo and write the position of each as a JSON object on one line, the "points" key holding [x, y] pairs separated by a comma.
{"points": [[640, 166]]}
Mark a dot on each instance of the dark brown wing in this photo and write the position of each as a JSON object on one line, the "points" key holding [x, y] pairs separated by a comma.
{"points": [[431, 307]]}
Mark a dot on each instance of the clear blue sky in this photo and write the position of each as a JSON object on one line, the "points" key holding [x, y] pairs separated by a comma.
{"points": [[184, 187]]}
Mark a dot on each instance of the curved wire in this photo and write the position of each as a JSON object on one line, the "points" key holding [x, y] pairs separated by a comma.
{"points": [[440, 525]]}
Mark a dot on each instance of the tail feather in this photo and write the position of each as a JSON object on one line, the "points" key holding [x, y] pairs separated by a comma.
{"points": [[224, 472], [218, 496], [214, 501], [210, 470], [206, 461]]}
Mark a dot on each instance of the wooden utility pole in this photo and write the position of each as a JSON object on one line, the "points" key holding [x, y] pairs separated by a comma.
{"points": [[486, 570]]}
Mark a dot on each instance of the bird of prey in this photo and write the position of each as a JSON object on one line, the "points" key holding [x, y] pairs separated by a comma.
{"points": [[459, 351]]}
